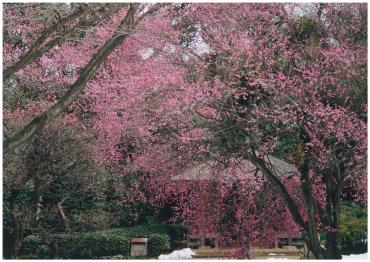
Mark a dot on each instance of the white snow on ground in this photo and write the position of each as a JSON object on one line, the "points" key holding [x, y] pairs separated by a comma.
{"points": [[355, 257], [185, 253], [273, 254], [344, 257]]}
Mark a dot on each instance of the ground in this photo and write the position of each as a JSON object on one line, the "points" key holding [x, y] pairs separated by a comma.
{"points": [[259, 253]]}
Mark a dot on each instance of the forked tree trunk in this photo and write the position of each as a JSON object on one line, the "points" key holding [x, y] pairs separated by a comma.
{"points": [[312, 238], [309, 227]]}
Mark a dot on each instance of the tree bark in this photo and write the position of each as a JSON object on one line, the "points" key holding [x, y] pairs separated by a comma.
{"points": [[333, 247], [18, 227], [309, 227], [36, 200], [332, 238], [62, 214], [333, 182], [312, 239], [293, 209]]}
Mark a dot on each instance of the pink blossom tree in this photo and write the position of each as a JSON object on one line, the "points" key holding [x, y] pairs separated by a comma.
{"points": [[193, 82]]}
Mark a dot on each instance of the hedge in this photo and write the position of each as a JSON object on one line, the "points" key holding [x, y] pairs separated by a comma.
{"points": [[101, 243], [33, 248], [96, 245], [158, 244], [353, 229]]}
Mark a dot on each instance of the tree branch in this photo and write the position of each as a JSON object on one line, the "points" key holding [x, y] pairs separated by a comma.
{"points": [[35, 50], [260, 164], [62, 214], [76, 88]]}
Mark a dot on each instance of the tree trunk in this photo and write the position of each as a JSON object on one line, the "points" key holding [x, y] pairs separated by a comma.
{"points": [[332, 238], [17, 236], [309, 227], [18, 227], [62, 214], [333, 247], [36, 201], [333, 182], [312, 239]]}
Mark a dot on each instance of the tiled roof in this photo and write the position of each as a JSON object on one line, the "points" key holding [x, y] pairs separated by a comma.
{"points": [[243, 170]]}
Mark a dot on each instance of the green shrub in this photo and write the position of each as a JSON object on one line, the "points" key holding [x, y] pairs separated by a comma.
{"points": [[353, 229], [114, 242], [158, 244], [93, 245], [102, 243], [306, 30], [65, 246], [176, 231], [33, 247]]}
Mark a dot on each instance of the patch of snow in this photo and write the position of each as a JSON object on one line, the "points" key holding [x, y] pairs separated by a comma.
{"points": [[273, 254], [185, 253], [355, 257], [344, 257]]}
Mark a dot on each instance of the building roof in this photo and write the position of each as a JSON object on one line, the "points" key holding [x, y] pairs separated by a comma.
{"points": [[139, 240], [243, 170]]}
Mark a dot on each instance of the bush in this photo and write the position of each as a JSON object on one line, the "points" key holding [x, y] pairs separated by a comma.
{"points": [[158, 244], [103, 243], [92, 245], [176, 231], [306, 30], [114, 242], [33, 247], [353, 229], [65, 246]]}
